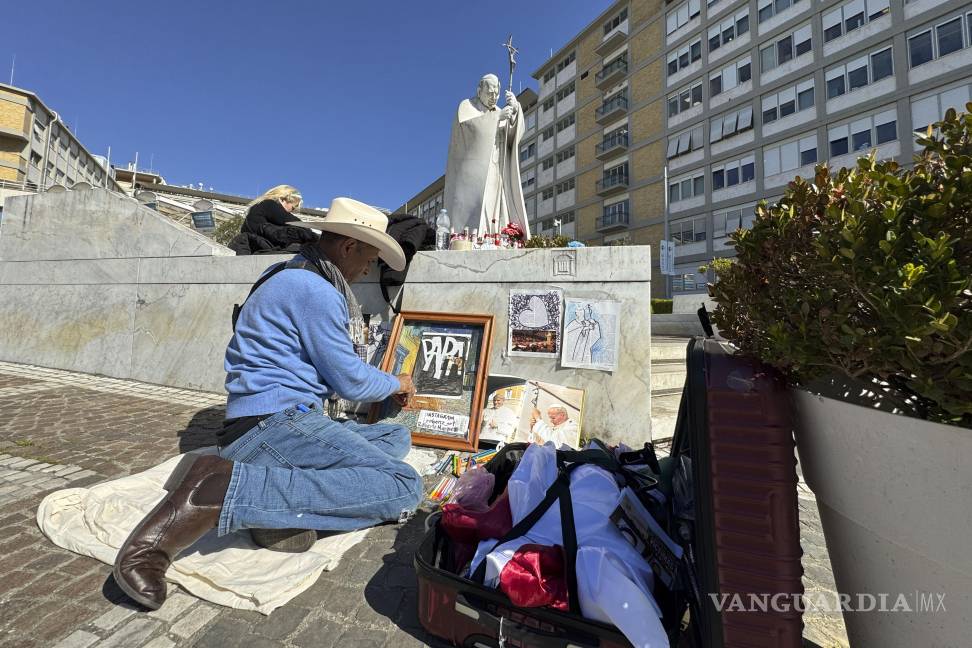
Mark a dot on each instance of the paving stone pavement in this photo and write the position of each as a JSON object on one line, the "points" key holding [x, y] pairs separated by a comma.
{"points": [[61, 429]]}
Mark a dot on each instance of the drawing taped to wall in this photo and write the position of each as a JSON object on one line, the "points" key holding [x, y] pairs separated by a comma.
{"points": [[534, 322], [592, 334]]}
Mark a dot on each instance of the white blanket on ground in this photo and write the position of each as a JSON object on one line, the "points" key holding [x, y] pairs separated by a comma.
{"points": [[230, 571]]}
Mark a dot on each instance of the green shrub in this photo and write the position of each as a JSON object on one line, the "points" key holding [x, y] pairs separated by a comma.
{"points": [[661, 306], [541, 241], [228, 229], [865, 273]]}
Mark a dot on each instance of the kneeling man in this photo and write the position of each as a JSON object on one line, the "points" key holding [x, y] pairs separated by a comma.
{"points": [[283, 463]]}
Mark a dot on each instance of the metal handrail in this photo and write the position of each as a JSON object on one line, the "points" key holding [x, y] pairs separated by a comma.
{"points": [[611, 68], [612, 104], [610, 142], [612, 181], [620, 217]]}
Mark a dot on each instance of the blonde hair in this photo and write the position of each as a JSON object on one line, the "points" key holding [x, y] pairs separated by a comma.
{"points": [[280, 193]]}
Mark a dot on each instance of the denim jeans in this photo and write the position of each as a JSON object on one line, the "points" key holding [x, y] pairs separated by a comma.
{"points": [[303, 470]]}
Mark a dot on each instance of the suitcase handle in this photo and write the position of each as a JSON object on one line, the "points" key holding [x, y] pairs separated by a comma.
{"points": [[506, 628]]}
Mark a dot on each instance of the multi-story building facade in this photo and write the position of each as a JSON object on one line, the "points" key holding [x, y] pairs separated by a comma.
{"points": [[38, 151], [673, 119]]}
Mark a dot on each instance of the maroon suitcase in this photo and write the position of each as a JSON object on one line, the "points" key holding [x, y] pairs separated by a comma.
{"points": [[465, 613], [734, 423]]}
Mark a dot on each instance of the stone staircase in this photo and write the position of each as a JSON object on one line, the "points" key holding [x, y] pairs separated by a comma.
{"points": [[667, 378]]}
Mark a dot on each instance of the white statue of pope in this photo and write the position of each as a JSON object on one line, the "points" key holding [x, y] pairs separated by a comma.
{"points": [[482, 183]]}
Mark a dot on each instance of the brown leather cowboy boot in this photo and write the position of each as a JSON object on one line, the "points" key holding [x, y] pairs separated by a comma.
{"points": [[196, 491]]}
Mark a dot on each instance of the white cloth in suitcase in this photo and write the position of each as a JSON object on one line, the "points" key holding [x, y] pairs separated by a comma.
{"points": [[614, 581]]}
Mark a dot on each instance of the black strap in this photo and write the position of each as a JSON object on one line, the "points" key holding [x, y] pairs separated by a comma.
{"points": [[293, 263], [553, 493], [569, 531], [397, 305], [567, 462], [238, 308]]}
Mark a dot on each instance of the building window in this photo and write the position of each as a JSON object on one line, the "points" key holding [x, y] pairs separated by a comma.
{"points": [[852, 15], [547, 133], [685, 142], [859, 73], [729, 77], [931, 108], [687, 187], [733, 173], [547, 163], [550, 74], [688, 231], [684, 99], [565, 123], [566, 218], [731, 123], [785, 48], [770, 8], [725, 222], [529, 179], [618, 173], [684, 57], [938, 41], [863, 133], [686, 280], [547, 105], [566, 61], [547, 194], [680, 15], [615, 22], [528, 152], [728, 30], [565, 92], [787, 101], [789, 156], [567, 185], [565, 154]]}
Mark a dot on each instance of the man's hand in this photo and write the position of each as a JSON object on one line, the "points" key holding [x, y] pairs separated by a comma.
{"points": [[535, 417], [406, 389]]}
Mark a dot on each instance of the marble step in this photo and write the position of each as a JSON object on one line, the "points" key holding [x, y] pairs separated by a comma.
{"points": [[665, 348], [667, 376], [664, 414]]}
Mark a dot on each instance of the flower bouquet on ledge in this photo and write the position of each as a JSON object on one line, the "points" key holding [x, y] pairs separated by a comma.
{"points": [[514, 233]]}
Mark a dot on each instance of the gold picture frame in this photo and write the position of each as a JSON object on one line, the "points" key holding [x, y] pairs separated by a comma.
{"points": [[447, 356]]}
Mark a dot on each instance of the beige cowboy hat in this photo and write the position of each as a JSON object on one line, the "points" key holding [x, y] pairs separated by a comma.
{"points": [[363, 223]]}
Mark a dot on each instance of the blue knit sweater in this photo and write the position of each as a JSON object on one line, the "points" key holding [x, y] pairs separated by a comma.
{"points": [[292, 346]]}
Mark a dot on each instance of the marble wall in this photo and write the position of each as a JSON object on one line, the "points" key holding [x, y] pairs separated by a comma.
{"points": [[119, 304]]}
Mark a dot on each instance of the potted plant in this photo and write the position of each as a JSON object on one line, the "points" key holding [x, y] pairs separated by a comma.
{"points": [[857, 287]]}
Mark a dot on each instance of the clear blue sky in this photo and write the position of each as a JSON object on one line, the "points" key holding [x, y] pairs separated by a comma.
{"points": [[338, 98]]}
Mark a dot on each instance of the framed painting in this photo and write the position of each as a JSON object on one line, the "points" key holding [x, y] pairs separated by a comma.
{"points": [[447, 356]]}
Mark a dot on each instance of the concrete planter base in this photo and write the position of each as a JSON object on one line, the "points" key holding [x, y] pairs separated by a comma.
{"points": [[895, 500]]}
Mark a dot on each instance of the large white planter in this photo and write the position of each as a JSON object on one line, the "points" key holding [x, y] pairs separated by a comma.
{"points": [[895, 500]]}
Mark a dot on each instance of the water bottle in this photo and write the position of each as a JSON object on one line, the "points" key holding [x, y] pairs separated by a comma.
{"points": [[442, 226]]}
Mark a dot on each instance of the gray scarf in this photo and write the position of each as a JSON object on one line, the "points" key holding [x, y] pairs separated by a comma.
{"points": [[357, 329]]}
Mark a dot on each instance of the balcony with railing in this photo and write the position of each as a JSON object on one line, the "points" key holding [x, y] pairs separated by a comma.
{"points": [[612, 109], [611, 74], [611, 146], [613, 39], [613, 220], [612, 183]]}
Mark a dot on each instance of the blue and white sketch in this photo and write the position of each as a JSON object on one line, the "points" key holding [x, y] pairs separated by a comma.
{"points": [[592, 333]]}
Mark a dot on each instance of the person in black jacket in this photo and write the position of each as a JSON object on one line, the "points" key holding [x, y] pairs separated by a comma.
{"points": [[267, 226]]}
